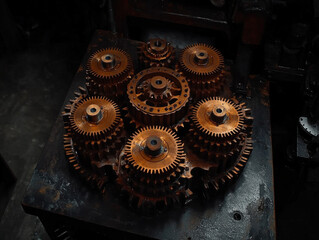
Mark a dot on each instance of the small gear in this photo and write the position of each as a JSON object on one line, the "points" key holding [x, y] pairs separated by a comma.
{"points": [[203, 66], [93, 136], [158, 96], [108, 72], [156, 53], [153, 167], [221, 131]]}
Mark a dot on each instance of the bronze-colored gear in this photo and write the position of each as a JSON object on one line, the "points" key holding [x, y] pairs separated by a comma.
{"points": [[221, 131], [94, 118], [158, 96], [152, 168], [154, 150], [108, 72], [219, 125], [93, 136], [156, 53], [203, 66]]}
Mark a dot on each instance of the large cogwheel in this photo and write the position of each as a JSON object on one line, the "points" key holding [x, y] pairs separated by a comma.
{"points": [[93, 135], [108, 72], [156, 53], [221, 131], [153, 169], [203, 66], [158, 96]]}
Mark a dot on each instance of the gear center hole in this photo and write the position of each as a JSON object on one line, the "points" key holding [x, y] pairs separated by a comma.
{"points": [[218, 110], [159, 82], [153, 142], [93, 110], [158, 43]]}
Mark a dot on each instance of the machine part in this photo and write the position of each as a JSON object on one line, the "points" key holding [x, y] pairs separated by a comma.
{"points": [[158, 96], [310, 128], [93, 136], [108, 72], [203, 67], [221, 131], [153, 171], [156, 53], [227, 171], [94, 118]]}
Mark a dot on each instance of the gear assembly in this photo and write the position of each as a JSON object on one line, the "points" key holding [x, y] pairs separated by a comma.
{"points": [[159, 136]]}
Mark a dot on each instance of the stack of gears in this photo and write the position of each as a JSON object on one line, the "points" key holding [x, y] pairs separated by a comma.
{"points": [[162, 135]]}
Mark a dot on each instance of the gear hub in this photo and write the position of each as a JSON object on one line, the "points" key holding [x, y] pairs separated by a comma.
{"points": [[108, 72], [158, 96], [153, 170], [156, 53], [203, 66]]}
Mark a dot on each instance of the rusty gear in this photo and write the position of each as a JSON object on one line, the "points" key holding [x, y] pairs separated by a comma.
{"points": [[156, 53], [221, 131], [94, 118], [203, 66], [108, 72], [219, 125], [153, 167], [158, 96], [93, 135]]}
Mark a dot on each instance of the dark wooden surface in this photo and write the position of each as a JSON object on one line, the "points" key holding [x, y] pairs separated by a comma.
{"points": [[54, 191]]}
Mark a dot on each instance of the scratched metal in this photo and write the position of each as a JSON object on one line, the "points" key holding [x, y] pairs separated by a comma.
{"points": [[55, 191]]}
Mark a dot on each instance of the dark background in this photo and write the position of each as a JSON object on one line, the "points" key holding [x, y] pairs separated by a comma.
{"points": [[41, 46]]}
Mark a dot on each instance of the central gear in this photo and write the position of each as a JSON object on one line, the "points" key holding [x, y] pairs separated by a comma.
{"points": [[156, 53], [153, 167], [158, 96], [108, 72], [203, 66]]}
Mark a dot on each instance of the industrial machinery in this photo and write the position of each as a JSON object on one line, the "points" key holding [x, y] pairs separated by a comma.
{"points": [[155, 134]]}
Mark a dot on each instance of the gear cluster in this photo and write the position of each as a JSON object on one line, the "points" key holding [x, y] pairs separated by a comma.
{"points": [[161, 135]]}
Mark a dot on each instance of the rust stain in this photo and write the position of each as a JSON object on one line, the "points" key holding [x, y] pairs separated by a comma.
{"points": [[57, 196], [44, 189]]}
